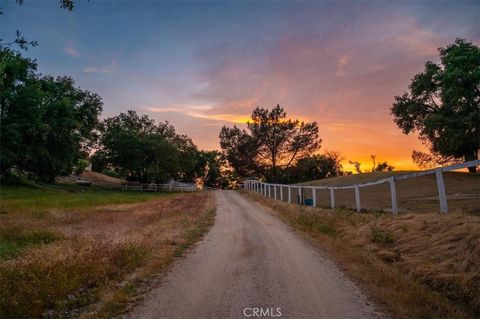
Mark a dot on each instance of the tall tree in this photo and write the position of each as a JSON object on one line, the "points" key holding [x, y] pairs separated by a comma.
{"points": [[141, 150], [443, 106], [47, 124], [271, 143]]}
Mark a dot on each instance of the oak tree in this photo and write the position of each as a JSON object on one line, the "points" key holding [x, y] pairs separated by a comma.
{"points": [[443, 106]]}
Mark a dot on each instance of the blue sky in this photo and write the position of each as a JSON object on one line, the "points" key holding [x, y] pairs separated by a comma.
{"points": [[203, 64]]}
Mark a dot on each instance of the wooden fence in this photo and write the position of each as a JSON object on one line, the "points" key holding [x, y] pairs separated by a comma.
{"points": [[266, 189]]}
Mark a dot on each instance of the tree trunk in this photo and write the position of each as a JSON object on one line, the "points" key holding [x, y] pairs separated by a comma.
{"points": [[471, 156]]}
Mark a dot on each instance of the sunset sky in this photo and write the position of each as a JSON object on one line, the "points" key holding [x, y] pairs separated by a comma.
{"points": [[202, 65]]}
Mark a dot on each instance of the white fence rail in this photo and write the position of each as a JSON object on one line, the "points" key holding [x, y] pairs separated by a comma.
{"points": [[171, 187], [265, 189]]}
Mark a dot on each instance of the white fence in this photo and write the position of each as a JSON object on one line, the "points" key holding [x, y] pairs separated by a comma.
{"points": [[177, 187], [265, 189]]}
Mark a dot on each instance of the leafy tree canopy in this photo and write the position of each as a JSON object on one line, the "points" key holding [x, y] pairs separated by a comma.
{"points": [[270, 144], [443, 106], [314, 167], [47, 124], [145, 151]]}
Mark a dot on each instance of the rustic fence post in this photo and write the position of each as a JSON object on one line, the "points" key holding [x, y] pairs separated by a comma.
{"points": [[314, 197], [300, 193], [332, 198], [442, 196], [275, 191], [393, 195], [357, 198], [281, 192], [289, 194]]}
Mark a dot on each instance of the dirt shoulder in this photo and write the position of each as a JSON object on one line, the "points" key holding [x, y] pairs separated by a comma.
{"points": [[417, 265]]}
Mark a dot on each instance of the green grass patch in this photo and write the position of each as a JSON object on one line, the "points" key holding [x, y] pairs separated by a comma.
{"points": [[36, 200], [13, 240], [131, 256], [312, 221], [381, 236]]}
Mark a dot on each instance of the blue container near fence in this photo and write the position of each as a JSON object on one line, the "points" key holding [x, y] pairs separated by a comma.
{"points": [[308, 201]]}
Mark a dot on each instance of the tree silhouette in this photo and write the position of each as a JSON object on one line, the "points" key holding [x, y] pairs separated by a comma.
{"points": [[443, 106], [271, 143]]}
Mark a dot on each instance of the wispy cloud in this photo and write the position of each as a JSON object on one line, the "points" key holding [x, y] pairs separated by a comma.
{"points": [[72, 52], [200, 112], [341, 64], [92, 69], [101, 70]]}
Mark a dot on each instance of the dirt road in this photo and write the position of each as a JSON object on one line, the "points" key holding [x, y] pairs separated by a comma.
{"points": [[250, 259]]}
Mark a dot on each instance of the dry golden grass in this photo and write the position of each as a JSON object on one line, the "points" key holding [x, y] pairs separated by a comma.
{"points": [[413, 195], [102, 254], [417, 265]]}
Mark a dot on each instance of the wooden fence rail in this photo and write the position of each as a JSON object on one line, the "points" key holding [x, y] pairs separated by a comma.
{"points": [[265, 189]]}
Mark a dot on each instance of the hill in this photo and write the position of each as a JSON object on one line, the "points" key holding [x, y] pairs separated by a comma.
{"points": [[101, 179]]}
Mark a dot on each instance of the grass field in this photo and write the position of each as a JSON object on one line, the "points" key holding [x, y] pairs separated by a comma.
{"points": [[415, 265], [36, 200], [413, 195], [69, 252]]}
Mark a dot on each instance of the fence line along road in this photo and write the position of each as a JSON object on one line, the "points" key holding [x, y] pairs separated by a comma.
{"points": [[152, 187], [265, 189]]}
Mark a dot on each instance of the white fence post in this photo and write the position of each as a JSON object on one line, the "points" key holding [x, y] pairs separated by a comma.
{"points": [[261, 187], [393, 195], [314, 197], [332, 197], [442, 196], [357, 198]]}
